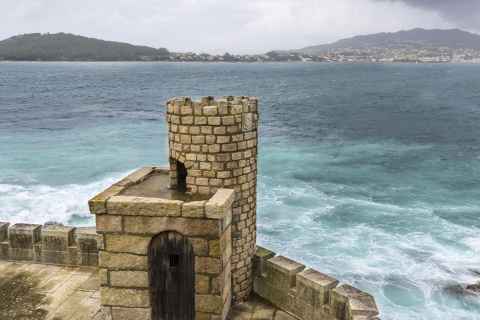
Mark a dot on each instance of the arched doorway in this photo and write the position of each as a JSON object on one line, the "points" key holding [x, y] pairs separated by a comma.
{"points": [[172, 277]]}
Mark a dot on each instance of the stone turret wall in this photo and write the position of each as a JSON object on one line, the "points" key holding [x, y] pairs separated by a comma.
{"points": [[52, 244], [216, 142], [308, 294]]}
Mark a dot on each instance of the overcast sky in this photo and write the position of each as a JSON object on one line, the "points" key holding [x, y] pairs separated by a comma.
{"points": [[234, 26]]}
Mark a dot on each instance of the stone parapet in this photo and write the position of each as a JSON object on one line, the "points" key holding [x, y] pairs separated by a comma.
{"points": [[53, 244], [308, 294]]}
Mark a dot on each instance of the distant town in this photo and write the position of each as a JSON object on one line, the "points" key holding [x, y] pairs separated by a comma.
{"points": [[391, 53]]}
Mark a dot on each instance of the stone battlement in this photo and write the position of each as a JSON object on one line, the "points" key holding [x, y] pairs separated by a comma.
{"points": [[53, 244], [308, 294]]}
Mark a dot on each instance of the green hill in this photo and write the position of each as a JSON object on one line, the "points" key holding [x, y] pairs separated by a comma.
{"points": [[69, 47]]}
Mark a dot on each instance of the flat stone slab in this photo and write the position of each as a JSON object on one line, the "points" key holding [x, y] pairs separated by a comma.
{"points": [[36, 291], [31, 291]]}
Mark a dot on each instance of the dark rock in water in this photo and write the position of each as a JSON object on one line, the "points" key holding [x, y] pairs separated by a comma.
{"points": [[52, 223], [474, 287], [476, 272], [462, 290]]}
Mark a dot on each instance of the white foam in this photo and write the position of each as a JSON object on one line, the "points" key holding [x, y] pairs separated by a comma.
{"points": [[41, 203]]}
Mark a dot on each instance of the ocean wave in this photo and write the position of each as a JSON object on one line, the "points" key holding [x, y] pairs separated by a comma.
{"points": [[67, 204]]}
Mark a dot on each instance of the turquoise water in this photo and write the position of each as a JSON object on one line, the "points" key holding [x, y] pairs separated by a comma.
{"points": [[367, 172]]}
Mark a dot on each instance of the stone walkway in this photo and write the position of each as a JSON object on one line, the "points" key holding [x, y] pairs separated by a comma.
{"points": [[31, 291]]}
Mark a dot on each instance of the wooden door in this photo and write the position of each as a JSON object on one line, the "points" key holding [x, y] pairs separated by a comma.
{"points": [[172, 277]]}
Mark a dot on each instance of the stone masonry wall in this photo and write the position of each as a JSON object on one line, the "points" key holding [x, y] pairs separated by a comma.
{"points": [[308, 294], [52, 244], [128, 223], [216, 141]]}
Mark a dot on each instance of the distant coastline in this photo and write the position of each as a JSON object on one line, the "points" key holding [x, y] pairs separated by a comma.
{"points": [[414, 46]]}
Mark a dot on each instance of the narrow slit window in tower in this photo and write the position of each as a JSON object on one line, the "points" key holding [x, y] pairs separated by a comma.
{"points": [[181, 177]]}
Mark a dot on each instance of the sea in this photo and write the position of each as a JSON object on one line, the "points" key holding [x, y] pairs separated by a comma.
{"points": [[368, 172]]}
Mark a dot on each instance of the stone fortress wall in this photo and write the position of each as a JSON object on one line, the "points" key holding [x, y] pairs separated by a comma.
{"points": [[52, 244], [306, 294]]}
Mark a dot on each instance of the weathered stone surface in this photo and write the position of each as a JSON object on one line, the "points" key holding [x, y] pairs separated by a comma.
{"points": [[57, 238], [188, 227], [217, 205], [108, 223], [139, 174], [4, 231], [87, 240], [207, 265], [103, 276], [281, 271], [20, 254], [200, 246], [260, 258], [313, 287], [123, 261], [202, 284], [57, 257], [130, 298], [130, 279], [193, 209], [127, 243], [129, 205], [208, 303], [131, 313], [98, 203], [24, 236]]}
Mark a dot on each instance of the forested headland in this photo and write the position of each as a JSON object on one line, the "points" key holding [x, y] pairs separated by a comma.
{"points": [[69, 47]]}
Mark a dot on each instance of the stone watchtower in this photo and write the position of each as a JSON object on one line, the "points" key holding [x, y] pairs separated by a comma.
{"points": [[212, 145], [178, 242]]}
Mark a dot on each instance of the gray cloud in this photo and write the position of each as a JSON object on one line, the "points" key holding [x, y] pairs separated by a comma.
{"points": [[464, 13], [247, 26]]}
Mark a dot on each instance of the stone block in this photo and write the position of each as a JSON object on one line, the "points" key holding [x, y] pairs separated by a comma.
{"points": [[57, 238], [313, 287], [87, 240], [89, 259], [207, 265], [128, 205], [103, 276], [202, 284], [4, 253], [260, 258], [358, 302], [200, 246], [130, 279], [188, 227], [210, 110], [281, 272], [139, 175], [4, 231], [56, 257], [19, 254], [131, 313], [208, 303], [127, 243], [217, 205], [75, 257], [123, 261], [130, 298], [97, 204], [194, 209], [339, 299], [108, 223], [24, 236]]}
